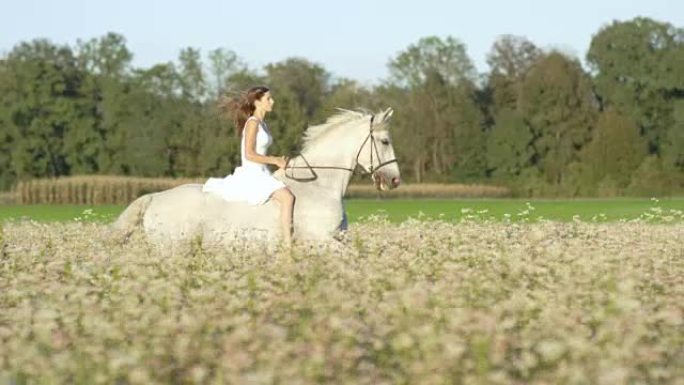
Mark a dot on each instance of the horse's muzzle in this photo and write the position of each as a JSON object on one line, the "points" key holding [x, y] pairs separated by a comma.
{"points": [[380, 181]]}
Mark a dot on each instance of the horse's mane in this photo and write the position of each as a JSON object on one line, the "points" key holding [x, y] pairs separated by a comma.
{"points": [[343, 116]]}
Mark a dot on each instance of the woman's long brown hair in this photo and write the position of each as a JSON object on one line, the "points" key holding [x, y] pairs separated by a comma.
{"points": [[241, 107]]}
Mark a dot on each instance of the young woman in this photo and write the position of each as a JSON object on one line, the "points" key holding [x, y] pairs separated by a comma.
{"points": [[252, 181]]}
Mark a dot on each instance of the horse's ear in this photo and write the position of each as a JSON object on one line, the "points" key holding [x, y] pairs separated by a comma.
{"points": [[388, 114]]}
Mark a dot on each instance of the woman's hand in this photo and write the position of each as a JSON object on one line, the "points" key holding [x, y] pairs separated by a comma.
{"points": [[281, 161]]}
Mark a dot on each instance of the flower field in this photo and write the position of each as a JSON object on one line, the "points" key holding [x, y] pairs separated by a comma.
{"points": [[416, 302]]}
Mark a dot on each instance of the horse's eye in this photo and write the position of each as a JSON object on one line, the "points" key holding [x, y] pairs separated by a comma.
{"points": [[385, 141]]}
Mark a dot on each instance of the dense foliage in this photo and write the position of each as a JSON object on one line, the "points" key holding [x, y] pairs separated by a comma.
{"points": [[538, 121]]}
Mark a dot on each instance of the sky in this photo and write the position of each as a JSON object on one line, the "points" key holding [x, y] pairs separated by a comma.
{"points": [[351, 38]]}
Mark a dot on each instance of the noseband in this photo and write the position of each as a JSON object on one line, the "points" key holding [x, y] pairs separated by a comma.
{"points": [[371, 170]]}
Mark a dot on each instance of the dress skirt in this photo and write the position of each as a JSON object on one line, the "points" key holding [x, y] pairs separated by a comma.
{"points": [[247, 183]]}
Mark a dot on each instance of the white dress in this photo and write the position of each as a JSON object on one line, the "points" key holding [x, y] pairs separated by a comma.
{"points": [[251, 182]]}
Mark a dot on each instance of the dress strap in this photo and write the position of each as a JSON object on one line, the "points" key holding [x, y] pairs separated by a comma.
{"points": [[248, 119], [252, 118]]}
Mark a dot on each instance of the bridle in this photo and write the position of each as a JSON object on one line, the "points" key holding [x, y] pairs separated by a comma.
{"points": [[371, 171]]}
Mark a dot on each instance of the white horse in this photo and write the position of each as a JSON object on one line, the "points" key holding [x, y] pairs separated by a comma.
{"points": [[318, 177]]}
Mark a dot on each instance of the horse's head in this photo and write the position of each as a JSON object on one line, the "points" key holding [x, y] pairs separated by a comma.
{"points": [[376, 154]]}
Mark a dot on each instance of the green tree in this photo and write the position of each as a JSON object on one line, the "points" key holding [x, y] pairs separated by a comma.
{"points": [[673, 148], [139, 143], [39, 95], [557, 103], [7, 172], [348, 94], [432, 55], [442, 129], [616, 149], [192, 80], [107, 56], [308, 82], [223, 63], [509, 145], [106, 65], [510, 58], [637, 67]]}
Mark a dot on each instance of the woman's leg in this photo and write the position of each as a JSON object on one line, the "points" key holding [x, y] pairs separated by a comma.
{"points": [[286, 200]]}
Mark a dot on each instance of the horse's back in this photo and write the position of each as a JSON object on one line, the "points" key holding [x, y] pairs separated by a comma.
{"points": [[185, 210]]}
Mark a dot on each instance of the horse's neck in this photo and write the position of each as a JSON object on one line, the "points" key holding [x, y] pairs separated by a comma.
{"points": [[336, 150]]}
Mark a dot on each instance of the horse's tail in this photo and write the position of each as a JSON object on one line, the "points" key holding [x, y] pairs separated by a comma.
{"points": [[131, 218]]}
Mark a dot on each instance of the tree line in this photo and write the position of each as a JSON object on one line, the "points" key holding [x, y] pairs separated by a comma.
{"points": [[538, 121]]}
